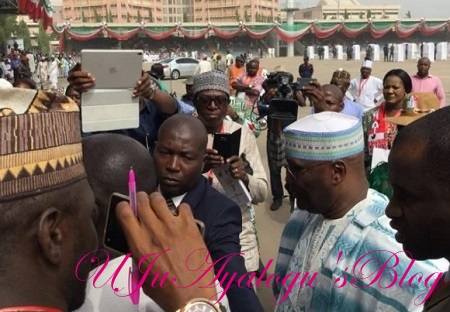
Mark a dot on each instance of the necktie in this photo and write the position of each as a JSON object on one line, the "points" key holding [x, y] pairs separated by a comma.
{"points": [[172, 207]]}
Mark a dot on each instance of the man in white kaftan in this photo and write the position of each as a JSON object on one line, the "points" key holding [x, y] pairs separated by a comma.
{"points": [[366, 89], [53, 71]]}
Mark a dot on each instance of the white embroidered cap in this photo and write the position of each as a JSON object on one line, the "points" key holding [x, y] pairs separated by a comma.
{"points": [[324, 136]]}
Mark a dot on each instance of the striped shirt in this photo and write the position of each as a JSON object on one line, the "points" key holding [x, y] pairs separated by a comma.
{"points": [[339, 251]]}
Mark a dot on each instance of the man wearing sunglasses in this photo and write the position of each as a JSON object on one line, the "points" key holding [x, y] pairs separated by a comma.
{"points": [[340, 231], [211, 99]]}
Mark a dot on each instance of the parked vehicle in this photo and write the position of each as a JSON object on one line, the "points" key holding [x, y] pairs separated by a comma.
{"points": [[178, 67]]}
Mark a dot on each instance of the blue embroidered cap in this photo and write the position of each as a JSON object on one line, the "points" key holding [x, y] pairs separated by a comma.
{"points": [[324, 136]]}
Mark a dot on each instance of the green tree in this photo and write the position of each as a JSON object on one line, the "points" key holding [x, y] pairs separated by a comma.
{"points": [[185, 17], [23, 32], [408, 14], [8, 24], [361, 15], [369, 14], [346, 14], [97, 17], [238, 17], [43, 39], [128, 17], [150, 15], [83, 17], [110, 17], [139, 17]]}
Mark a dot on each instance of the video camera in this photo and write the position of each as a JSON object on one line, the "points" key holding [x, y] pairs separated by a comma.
{"points": [[283, 81], [283, 105]]}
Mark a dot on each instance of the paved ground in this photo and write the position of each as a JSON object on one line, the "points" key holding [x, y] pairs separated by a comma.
{"points": [[270, 224]]}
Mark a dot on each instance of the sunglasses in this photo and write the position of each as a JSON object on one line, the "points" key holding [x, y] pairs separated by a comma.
{"points": [[220, 101]]}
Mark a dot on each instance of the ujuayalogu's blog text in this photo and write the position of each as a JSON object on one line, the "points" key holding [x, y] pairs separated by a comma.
{"points": [[366, 271]]}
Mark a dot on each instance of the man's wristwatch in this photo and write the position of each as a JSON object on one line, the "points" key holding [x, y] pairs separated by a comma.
{"points": [[202, 305]]}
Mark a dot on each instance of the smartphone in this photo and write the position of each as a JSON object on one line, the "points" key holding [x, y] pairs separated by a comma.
{"points": [[303, 82], [227, 144], [113, 237]]}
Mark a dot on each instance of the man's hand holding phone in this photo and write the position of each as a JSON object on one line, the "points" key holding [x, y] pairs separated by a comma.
{"points": [[156, 230], [212, 159], [313, 91]]}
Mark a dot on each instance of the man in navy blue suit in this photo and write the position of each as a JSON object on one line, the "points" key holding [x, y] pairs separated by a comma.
{"points": [[178, 156]]}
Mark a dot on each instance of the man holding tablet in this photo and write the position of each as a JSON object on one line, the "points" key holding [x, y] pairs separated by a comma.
{"points": [[155, 105]]}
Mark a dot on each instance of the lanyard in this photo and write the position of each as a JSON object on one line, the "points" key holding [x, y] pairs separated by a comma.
{"points": [[362, 83]]}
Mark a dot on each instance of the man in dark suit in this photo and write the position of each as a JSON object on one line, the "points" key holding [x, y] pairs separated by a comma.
{"points": [[178, 156]]}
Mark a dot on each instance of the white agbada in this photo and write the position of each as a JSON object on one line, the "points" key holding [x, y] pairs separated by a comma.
{"points": [[365, 91], [31, 62], [53, 72], [43, 71], [202, 67]]}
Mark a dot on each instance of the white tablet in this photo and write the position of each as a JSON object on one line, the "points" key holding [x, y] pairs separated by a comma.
{"points": [[110, 105], [113, 69], [106, 110]]}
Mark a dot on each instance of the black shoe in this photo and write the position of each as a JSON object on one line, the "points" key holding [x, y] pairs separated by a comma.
{"points": [[276, 204]]}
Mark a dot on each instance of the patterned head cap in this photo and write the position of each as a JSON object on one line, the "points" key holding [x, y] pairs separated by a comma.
{"points": [[40, 143], [212, 80], [324, 136], [341, 75]]}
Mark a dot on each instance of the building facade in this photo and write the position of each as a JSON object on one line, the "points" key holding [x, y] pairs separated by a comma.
{"points": [[235, 10], [175, 11], [347, 9], [169, 11], [113, 11]]}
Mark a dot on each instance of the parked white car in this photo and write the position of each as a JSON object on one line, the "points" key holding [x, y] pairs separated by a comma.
{"points": [[178, 67]]}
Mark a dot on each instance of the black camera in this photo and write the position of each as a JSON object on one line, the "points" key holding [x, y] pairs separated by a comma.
{"points": [[282, 105]]}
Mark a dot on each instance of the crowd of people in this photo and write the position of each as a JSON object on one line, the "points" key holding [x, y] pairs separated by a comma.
{"points": [[22, 67], [56, 185]]}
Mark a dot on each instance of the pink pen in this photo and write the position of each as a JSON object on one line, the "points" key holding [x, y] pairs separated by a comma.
{"points": [[133, 277]]}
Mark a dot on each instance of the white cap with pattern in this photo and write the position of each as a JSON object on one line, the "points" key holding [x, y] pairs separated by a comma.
{"points": [[324, 136]]}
